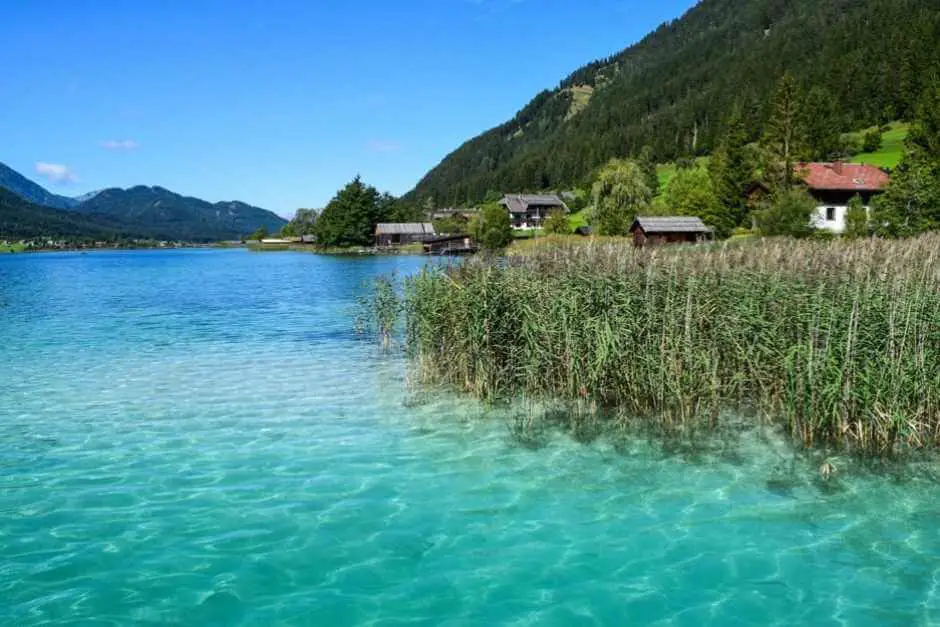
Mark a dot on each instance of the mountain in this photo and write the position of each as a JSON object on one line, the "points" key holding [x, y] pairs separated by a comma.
{"points": [[20, 218], [24, 188], [164, 214], [673, 90], [146, 212]]}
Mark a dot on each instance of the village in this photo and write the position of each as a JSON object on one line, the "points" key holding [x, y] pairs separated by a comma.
{"points": [[831, 185]]}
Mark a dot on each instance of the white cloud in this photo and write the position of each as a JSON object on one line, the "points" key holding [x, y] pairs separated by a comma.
{"points": [[56, 172], [383, 145], [119, 144]]}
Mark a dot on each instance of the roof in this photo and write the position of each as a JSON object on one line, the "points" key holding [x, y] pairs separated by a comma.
{"points": [[854, 177], [445, 238], [678, 224], [520, 203], [410, 228]]}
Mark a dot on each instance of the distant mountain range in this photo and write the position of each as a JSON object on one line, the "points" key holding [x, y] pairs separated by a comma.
{"points": [[141, 211], [20, 218]]}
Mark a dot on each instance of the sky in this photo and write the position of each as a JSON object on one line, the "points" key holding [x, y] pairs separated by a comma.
{"points": [[279, 103]]}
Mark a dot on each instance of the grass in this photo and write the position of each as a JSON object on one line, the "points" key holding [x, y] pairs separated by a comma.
{"points": [[11, 248], [837, 342], [892, 148]]}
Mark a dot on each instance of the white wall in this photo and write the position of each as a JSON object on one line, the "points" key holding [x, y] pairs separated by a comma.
{"points": [[837, 225]]}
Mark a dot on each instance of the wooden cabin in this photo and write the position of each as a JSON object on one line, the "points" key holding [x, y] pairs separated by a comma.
{"points": [[669, 230], [400, 234], [457, 244]]}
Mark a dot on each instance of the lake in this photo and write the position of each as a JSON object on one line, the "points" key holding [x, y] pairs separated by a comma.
{"points": [[198, 437]]}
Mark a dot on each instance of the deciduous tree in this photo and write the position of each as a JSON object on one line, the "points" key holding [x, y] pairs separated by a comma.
{"points": [[620, 194]]}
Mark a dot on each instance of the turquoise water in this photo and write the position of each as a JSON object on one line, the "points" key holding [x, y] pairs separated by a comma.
{"points": [[198, 438]]}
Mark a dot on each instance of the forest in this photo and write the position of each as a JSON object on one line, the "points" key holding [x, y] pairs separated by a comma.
{"points": [[860, 64]]}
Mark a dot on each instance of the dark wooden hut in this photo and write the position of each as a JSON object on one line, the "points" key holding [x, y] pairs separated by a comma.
{"points": [[671, 230], [398, 234], [457, 244]]}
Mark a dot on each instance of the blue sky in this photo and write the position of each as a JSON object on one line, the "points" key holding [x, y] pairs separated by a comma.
{"points": [[280, 103]]}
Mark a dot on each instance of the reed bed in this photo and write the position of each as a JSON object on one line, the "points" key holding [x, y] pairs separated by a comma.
{"points": [[839, 342]]}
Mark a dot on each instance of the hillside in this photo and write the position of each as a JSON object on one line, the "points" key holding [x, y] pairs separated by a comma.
{"points": [[148, 212], [672, 90], [24, 188], [22, 219], [162, 213]]}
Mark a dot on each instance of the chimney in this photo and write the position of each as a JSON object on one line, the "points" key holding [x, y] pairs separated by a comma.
{"points": [[837, 167]]}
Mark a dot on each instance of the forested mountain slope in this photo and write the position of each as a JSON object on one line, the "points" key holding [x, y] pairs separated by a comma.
{"points": [[673, 90], [20, 218], [12, 180], [164, 214]]}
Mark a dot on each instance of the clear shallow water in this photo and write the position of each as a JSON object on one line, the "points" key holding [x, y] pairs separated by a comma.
{"points": [[196, 437]]}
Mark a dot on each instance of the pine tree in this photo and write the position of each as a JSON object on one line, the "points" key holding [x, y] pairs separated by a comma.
{"points": [[823, 128], [911, 203], [648, 165], [784, 139], [732, 168], [350, 217]]}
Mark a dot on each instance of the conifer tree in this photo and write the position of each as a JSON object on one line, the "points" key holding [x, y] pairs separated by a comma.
{"points": [[648, 165], [784, 139], [823, 128], [732, 168], [350, 217], [911, 203]]}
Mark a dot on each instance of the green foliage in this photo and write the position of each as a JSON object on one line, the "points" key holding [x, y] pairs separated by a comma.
{"points": [[259, 234], [303, 223], [451, 225], [856, 219], [732, 169], [822, 125], [620, 194], [492, 228], [784, 140], [891, 151], [350, 217], [788, 213], [873, 140], [691, 193], [911, 203], [672, 90], [648, 166], [835, 342], [557, 223]]}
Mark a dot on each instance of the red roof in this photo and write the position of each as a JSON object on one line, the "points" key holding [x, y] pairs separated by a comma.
{"points": [[853, 177]]}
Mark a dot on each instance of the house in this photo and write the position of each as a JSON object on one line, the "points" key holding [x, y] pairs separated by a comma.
{"points": [[832, 185], [397, 234], [671, 230], [460, 244], [528, 211]]}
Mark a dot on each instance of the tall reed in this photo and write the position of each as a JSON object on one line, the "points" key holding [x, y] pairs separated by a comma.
{"points": [[838, 341]]}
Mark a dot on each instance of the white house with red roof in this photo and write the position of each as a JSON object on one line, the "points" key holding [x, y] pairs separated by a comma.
{"points": [[834, 184]]}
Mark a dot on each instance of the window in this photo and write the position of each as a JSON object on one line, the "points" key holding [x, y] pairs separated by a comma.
{"points": [[830, 214]]}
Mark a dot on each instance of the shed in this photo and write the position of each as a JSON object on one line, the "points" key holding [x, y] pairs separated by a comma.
{"points": [[669, 230], [397, 234], [458, 244]]}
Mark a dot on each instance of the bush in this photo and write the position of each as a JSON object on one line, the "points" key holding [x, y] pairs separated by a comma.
{"points": [[557, 223], [790, 213], [492, 229], [872, 141]]}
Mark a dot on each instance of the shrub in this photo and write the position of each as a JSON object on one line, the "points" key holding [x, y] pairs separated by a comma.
{"points": [[492, 229], [872, 141], [557, 223]]}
